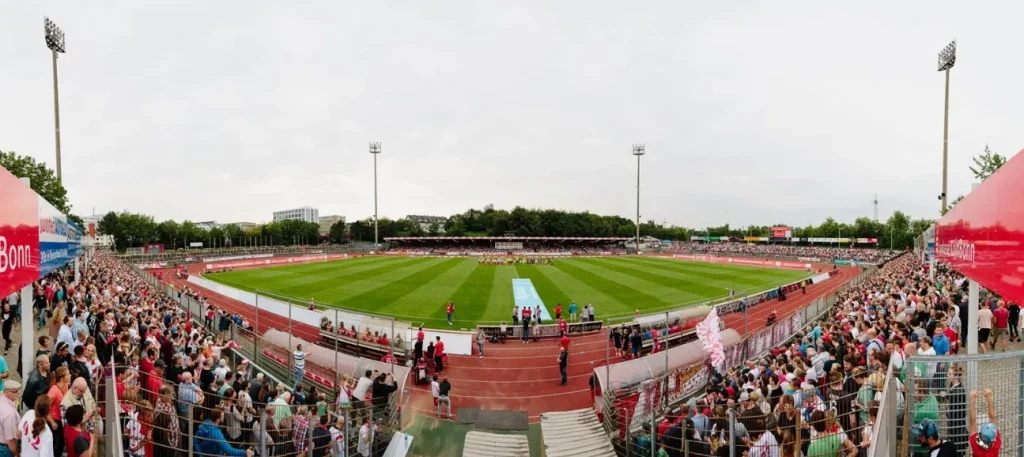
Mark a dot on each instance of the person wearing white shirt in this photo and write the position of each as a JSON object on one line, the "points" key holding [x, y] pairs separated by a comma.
{"points": [[65, 335], [366, 433], [36, 444], [435, 391], [338, 447], [765, 446]]}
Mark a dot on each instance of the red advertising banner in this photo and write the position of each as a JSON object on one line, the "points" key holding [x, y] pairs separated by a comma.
{"points": [[19, 234], [782, 232], [983, 235], [275, 261], [743, 261]]}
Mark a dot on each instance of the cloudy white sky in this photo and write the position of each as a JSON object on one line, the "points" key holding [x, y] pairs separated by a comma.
{"points": [[752, 112]]}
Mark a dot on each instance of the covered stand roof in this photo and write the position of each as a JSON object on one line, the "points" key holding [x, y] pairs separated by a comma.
{"points": [[633, 372], [983, 235], [575, 434]]}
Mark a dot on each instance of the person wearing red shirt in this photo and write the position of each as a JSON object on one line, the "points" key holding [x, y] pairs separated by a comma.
{"points": [[1001, 318], [986, 441], [155, 381], [146, 365], [450, 309], [565, 341], [558, 311], [563, 326], [439, 355], [526, 323]]}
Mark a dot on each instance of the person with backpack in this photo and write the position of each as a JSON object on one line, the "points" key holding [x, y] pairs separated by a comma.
{"points": [[210, 439]]}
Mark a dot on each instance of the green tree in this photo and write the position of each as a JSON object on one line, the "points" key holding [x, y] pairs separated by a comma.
{"points": [[433, 229], [986, 164], [337, 233], [41, 179]]}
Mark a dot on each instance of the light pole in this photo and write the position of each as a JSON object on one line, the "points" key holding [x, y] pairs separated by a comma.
{"points": [[55, 41], [375, 150], [947, 57], [638, 150]]}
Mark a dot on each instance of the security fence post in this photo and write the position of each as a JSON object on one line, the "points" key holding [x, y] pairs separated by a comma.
{"points": [[256, 332], [654, 431], [190, 429], [1020, 404], [337, 336], [732, 433], [262, 439], [291, 348]]}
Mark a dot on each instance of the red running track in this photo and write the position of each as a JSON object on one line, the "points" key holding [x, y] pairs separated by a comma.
{"points": [[517, 376]]}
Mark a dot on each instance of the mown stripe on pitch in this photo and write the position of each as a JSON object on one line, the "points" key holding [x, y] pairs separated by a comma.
{"points": [[472, 295], [389, 290], [718, 273], [713, 268], [717, 281], [327, 277], [692, 289], [658, 287], [326, 282], [500, 300], [429, 298], [624, 294], [577, 290]]}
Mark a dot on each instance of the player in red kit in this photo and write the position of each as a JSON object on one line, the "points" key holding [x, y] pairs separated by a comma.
{"points": [[558, 311], [450, 309]]}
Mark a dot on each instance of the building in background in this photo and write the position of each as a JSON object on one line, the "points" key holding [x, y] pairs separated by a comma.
{"points": [[426, 221], [245, 226], [327, 221], [207, 225], [489, 207], [306, 213]]}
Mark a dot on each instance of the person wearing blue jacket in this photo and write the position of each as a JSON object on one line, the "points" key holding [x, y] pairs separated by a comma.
{"points": [[210, 439]]}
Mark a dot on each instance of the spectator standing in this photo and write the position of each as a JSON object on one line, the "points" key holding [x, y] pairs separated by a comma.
{"points": [[481, 338], [444, 388], [572, 311], [80, 442], [1014, 321], [417, 347], [38, 381], [360, 394], [563, 363], [382, 390], [36, 436], [984, 326], [537, 314], [439, 355], [9, 419], [526, 324], [515, 315], [299, 358], [1001, 322], [321, 438]]}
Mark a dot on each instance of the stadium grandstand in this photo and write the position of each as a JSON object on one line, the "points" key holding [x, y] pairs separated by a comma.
{"points": [[631, 339]]}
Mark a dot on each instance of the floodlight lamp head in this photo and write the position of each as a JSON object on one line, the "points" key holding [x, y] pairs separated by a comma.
{"points": [[54, 36], [375, 147], [947, 57], [639, 149]]}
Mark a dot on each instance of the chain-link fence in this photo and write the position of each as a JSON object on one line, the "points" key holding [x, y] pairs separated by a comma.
{"points": [[960, 394]]}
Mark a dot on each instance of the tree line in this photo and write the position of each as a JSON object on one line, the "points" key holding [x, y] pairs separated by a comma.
{"points": [[136, 229]]}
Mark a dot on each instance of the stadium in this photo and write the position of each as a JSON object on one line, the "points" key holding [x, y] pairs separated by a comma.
{"points": [[533, 331]]}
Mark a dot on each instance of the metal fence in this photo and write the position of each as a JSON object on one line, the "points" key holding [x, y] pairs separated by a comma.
{"points": [[959, 394], [274, 361], [626, 410]]}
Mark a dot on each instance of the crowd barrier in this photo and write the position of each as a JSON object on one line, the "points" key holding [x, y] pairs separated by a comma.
{"points": [[751, 261], [262, 301], [644, 398]]}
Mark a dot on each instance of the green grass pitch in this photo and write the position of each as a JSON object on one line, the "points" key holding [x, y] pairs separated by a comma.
{"points": [[415, 289]]}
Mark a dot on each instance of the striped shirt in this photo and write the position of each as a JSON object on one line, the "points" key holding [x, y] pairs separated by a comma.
{"points": [[300, 359]]}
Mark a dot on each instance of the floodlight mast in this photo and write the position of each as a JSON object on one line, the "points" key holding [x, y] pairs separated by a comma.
{"points": [[947, 58], [54, 37], [638, 150], [375, 151]]}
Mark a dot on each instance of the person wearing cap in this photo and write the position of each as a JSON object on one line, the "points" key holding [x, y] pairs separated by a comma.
{"points": [[985, 441], [9, 419], [927, 433]]}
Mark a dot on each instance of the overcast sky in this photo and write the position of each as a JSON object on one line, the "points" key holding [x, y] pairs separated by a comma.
{"points": [[752, 112]]}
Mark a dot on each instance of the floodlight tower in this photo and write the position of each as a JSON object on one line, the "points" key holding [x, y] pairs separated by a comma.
{"points": [[55, 41], [947, 57], [638, 150], [375, 150]]}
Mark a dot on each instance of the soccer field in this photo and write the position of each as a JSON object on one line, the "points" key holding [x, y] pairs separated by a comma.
{"points": [[415, 289]]}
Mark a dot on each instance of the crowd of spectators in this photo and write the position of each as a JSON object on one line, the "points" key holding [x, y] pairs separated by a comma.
{"points": [[819, 395], [528, 249], [173, 379], [823, 253]]}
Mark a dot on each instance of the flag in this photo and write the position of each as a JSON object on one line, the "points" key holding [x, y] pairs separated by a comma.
{"points": [[710, 335]]}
